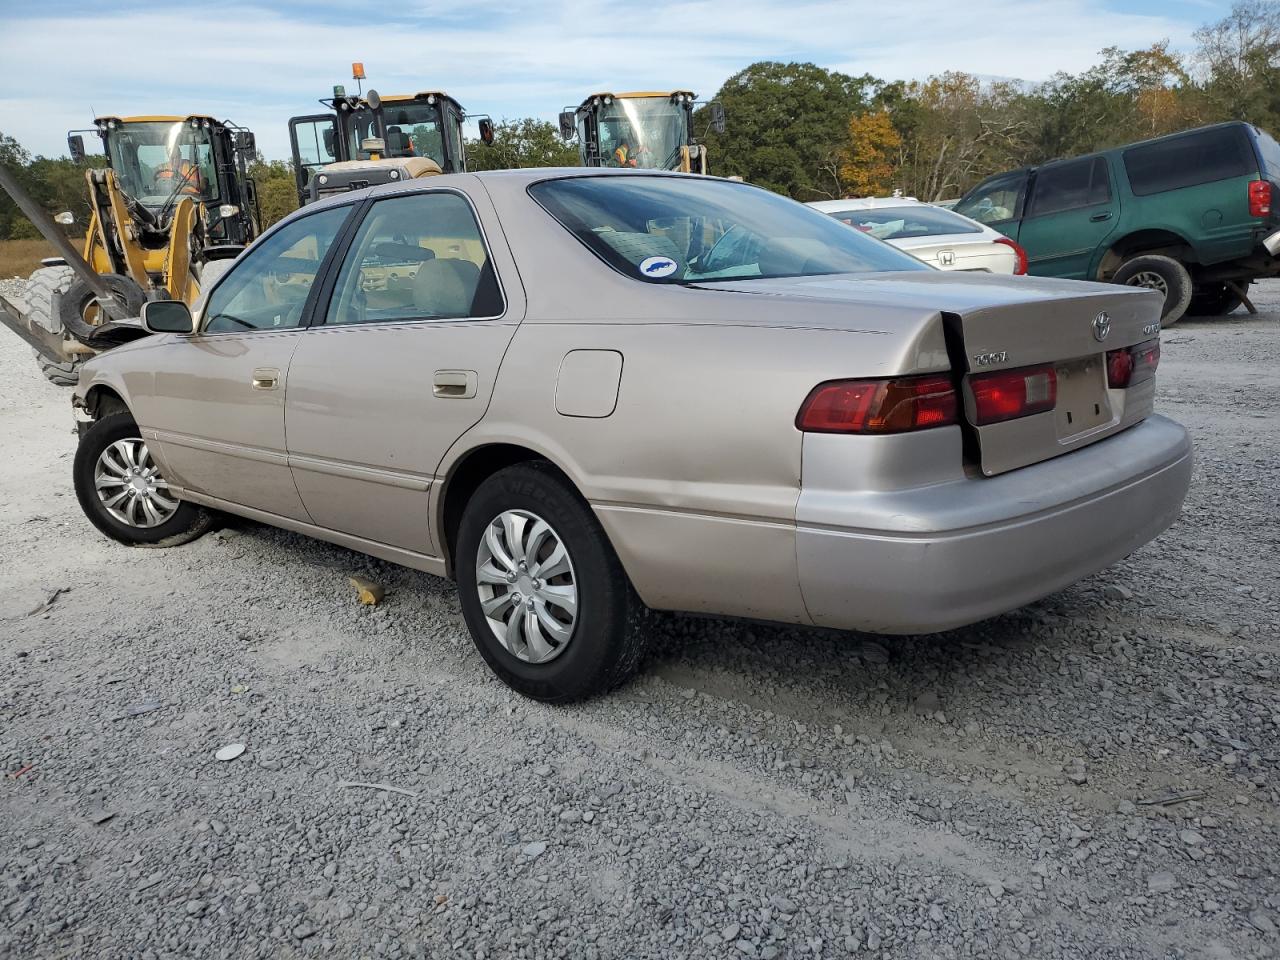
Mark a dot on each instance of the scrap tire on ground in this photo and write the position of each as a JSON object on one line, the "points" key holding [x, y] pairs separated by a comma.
{"points": [[608, 635], [1159, 273], [1214, 300], [79, 297]]}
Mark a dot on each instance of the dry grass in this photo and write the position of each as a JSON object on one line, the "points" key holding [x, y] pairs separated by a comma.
{"points": [[18, 258]]}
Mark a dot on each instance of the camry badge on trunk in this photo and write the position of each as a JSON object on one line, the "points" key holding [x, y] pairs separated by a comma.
{"points": [[1101, 326]]}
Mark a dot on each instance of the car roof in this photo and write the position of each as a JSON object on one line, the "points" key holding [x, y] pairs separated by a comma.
{"points": [[458, 180]]}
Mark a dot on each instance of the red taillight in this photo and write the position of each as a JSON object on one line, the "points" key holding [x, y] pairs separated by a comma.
{"points": [[879, 406], [1009, 394], [1020, 268], [1260, 198], [1128, 366]]}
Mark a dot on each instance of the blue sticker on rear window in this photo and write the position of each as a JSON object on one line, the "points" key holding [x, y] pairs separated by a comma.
{"points": [[658, 266]]}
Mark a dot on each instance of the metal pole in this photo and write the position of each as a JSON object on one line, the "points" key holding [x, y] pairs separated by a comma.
{"points": [[49, 230]]}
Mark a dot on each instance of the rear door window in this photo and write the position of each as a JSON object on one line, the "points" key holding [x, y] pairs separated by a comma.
{"points": [[1069, 186], [1186, 161], [420, 256], [1270, 155]]}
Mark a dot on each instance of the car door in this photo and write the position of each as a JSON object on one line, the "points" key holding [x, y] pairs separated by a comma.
{"points": [[315, 144], [218, 411], [400, 363], [1072, 211]]}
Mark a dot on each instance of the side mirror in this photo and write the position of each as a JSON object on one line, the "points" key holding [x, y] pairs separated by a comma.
{"points": [[329, 139], [246, 142], [167, 316], [373, 99], [717, 116], [75, 144], [568, 129], [486, 130]]}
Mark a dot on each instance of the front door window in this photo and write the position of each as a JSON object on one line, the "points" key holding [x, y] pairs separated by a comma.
{"points": [[268, 288]]}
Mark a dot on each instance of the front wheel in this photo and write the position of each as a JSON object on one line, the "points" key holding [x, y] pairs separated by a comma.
{"points": [[1163, 274], [544, 596], [122, 492]]}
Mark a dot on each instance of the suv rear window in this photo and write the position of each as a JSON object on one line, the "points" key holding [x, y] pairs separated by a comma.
{"points": [[1189, 160], [1270, 155]]}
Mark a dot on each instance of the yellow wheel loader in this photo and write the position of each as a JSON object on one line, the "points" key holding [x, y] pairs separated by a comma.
{"points": [[173, 207], [644, 130], [371, 139]]}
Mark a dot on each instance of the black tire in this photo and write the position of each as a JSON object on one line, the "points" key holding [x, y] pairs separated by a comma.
{"points": [[608, 637], [65, 373], [187, 522], [1157, 272], [79, 298], [1215, 299]]}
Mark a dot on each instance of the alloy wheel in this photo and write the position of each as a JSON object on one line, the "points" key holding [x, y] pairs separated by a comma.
{"points": [[129, 484], [527, 586], [1151, 280]]}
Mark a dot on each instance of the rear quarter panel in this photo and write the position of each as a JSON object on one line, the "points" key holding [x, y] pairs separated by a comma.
{"points": [[1213, 218], [696, 472]]}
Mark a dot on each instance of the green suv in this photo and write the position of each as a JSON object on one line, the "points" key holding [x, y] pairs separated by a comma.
{"points": [[1190, 214]]}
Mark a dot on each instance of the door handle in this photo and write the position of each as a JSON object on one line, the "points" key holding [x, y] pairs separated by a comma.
{"points": [[266, 378], [1099, 217], [455, 384]]}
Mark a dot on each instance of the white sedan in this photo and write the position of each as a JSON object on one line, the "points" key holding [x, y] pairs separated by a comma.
{"points": [[941, 238]]}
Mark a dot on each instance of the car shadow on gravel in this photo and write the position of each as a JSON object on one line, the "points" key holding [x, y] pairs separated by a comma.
{"points": [[764, 664]]}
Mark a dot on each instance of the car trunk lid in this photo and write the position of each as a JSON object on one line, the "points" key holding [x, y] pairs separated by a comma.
{"points": [[1006, 324]]}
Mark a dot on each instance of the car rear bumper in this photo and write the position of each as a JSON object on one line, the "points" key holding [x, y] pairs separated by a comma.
{"points": [[947, 554]]}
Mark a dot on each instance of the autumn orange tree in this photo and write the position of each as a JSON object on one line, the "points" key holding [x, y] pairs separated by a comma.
{"points": [[870, 159]]}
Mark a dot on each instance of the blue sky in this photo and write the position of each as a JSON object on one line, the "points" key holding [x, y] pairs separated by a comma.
{"points": [[260, 63]]}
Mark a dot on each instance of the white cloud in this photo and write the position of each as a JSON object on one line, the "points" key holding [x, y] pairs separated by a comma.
{"points": [[515, 58]]}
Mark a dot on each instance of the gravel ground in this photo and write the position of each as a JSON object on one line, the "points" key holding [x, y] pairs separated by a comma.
{"points": [[757, 792]]}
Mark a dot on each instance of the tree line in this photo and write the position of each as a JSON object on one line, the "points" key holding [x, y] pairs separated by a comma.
{"points": [[812, 133]]}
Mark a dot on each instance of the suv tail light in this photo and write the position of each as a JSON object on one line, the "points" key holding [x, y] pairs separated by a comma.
{"points": [[1010, 394], [1020, 268], [1128, 366], [879, 406], [1259, 198]]}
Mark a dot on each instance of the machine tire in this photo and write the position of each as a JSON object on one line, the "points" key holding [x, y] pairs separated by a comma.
{"points": [[1214, 300], [608, 636], [79, 297], [1159, 273], [63, 374], [186, 523], [39, 294]]}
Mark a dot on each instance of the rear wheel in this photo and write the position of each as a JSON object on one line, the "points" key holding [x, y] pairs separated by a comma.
{"points": [[1215, 299], [1163, 274], [122, 492], [543, 594]]}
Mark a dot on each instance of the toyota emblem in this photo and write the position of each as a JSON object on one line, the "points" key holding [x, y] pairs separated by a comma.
{"points": [[1101, 326]]}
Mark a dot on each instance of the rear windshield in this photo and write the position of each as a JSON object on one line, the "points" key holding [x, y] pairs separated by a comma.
{"points": [[1186, 161], [905, 223], [688, 229], [1270, 155]]}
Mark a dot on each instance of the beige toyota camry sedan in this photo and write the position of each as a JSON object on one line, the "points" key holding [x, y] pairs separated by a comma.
{"points": [[587, 394]]}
